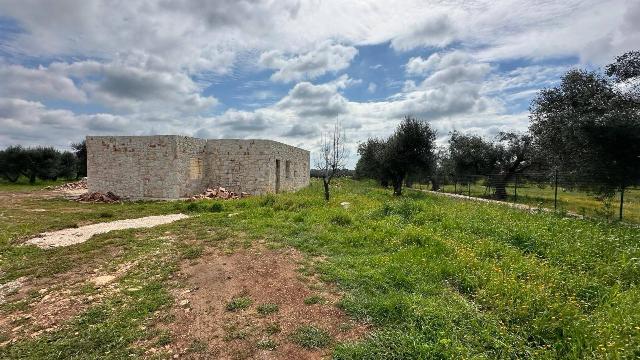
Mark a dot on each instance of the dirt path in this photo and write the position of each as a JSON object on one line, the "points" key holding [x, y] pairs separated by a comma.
{"points": [[263, 276], [81, 234], [510, 204]]}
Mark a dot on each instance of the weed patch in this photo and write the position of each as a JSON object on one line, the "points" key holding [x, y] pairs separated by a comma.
{"points": [[239, 303], [311, 337], [267, 309]]}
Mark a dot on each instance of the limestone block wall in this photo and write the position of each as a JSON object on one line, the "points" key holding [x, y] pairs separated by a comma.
{"points": [[170, 166], [251, 165]]}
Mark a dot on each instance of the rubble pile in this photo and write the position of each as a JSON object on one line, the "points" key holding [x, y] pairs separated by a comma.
{"points": [[219, 193], [75, 185], [97, 196]]}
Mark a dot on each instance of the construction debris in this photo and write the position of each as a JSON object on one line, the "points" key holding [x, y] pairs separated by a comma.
{"points": [[75, 185], [97, 196], [219, 193]]}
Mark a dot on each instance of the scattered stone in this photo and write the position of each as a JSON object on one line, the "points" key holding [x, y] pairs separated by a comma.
{"points": [[75, 185], [10, 287], [184, 303], [102, 280], [97, 196], [345, 204], [219, 193]]}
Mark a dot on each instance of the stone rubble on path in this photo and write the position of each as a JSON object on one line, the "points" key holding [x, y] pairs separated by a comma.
{"points": [[219, 193]]}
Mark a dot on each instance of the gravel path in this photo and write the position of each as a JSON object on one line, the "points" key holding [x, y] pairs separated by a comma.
{"points": [[510, 204], [81, 234]]}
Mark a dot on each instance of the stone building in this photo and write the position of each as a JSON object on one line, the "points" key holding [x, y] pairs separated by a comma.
{"points": [[171, 166]]}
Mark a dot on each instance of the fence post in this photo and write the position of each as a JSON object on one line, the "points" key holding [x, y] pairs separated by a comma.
{"points": [[555, 196], [515, 190], [621, 201], [455, 185], [469, 186]]}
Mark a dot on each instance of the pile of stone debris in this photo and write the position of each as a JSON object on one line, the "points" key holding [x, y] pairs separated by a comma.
{"points": [[75, 185], [219, 193], [97, 196]]}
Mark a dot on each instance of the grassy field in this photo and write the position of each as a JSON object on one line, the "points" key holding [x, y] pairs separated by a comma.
{"points": [[434, 277], [573, 200], [23, 184]]}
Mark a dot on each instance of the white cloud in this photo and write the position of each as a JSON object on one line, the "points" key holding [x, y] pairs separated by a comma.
{"points": [[115, 85], [437, 61], [325, 58], [147, 64], [18, 80]]}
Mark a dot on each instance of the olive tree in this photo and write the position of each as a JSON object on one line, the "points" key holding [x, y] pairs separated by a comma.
{"points": [[589, 124]]}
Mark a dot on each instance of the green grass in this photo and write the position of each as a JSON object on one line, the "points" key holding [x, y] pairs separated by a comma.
{"points": [[267, 344], [311, 337], [577, 201], [313, 299], [239, 303], [435, 277], [267, 309], [23, 184]]}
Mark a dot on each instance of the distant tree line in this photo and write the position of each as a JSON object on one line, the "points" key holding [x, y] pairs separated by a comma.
{"points": [[45, 163], [588, 127]]}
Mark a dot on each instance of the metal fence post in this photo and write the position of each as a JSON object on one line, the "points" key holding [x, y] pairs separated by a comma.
{"points": [[555, 196], [469, 186], [455, 185], [515, 190]]}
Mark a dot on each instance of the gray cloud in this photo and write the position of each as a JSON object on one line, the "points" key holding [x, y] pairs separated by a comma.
{"points": [[39, 83], [435, 30], [302, 130]]}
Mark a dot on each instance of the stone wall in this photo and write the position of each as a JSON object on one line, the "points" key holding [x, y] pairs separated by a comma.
{"points": [[171, 166]]}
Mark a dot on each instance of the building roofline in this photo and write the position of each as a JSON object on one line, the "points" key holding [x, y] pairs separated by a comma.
{"points": [[189, 137]]}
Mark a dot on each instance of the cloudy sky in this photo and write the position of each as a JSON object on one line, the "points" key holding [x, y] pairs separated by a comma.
{"points": [[287, 69]]}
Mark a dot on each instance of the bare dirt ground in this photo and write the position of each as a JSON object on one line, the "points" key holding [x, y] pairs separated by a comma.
{"points": [[266, 277], [81, 234], [50, 302]]}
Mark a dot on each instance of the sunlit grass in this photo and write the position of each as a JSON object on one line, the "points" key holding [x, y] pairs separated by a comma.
{"points": [[435, 277]]}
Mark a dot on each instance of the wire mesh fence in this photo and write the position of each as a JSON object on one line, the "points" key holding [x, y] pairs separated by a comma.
{"points": [[552, 190]]}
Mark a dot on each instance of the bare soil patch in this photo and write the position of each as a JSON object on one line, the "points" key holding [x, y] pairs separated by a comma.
{"points": [[48, 303], [206, 326]]}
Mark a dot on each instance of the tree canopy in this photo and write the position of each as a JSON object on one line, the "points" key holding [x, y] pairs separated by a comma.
{"points": [[589, 125], [409, 151], [45, 163]]}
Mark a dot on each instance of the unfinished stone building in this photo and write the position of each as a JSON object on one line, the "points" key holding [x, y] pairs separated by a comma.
{"points": [[171, 166]]}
